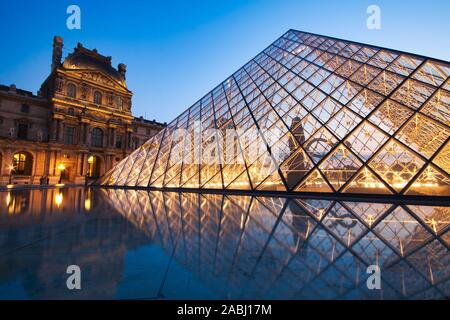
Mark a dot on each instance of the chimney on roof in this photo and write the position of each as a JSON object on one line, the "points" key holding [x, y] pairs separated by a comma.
{"points": [[57, 52], [122, 69], [12, 88]]}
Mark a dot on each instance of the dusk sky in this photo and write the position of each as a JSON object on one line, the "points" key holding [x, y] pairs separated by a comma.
{"points": [[177, 51]]}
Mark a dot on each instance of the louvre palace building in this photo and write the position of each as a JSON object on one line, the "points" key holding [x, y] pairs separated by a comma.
{"points": [[78, 125]]}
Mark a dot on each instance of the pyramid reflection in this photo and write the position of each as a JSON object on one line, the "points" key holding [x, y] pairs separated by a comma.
{"points": [[266, 247]]}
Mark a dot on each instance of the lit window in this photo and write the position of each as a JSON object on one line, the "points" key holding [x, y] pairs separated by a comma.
{"points": [[22, 163]]}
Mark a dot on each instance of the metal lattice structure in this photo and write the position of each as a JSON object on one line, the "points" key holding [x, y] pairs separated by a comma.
{"points": [[331, 116], [292, 248]]}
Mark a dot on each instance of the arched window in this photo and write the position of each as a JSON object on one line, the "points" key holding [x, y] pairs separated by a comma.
{"points": [[97, 137], [71, 90], [22, 163], [97, 97]]}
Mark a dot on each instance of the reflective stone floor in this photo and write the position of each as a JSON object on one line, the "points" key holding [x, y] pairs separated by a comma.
{"points": [[155, 245]]}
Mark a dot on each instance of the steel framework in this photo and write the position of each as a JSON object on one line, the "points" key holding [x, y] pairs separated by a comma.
{"points": [[333, 116]]}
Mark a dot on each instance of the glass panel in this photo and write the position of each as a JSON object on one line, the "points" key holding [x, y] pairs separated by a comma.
{"points": [[413, 94], [346, 92], [320, 144], [365, 54], [405, 65], [326, 109], [382, 59], [396, 165], [386, 82], [296, 167], [343, 122], [348, 68], [340, 166], [365, 102], [390, 116], [433, 216], [433, 73], [423, 135], [402, 231], [343, 224], [443, 158], [366, 140], [431, 182], [439, 107], [365, 74], [366, 182], [314, 183]]}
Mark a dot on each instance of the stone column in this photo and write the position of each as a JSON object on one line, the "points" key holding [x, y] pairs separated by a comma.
{"points": [[80, 163], [85, 164], [54, 129], [60, 131], [84, 128], [113, 138]]}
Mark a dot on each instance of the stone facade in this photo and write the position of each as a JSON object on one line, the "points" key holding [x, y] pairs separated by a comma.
{"points": [[78, 125]]}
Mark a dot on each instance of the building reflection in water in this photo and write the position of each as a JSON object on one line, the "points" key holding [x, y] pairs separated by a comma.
{"points": [[263, 247], [42, 232], [189, 245]]}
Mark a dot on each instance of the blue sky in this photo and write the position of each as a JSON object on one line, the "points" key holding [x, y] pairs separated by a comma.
{"points": [[177, 51]]}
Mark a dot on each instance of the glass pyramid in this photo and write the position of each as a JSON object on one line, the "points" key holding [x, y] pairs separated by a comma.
{"points": [[309, 114]]}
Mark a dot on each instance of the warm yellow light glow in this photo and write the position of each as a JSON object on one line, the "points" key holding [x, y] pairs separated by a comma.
{"points": [[58, 199], [10, 186], [87, 204], [61, 167], [8, 198], [91, 159]]}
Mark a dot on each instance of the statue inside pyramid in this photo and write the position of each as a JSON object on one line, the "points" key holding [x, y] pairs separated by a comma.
{"points": [[309, 114]]}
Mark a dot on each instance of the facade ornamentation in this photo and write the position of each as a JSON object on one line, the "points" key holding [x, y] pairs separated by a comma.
{"points": [[80, 120]]}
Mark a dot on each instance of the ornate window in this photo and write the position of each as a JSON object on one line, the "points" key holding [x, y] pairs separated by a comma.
{"points": [[119, 141], [22, 163], [97, 137], [69, 134], [97, 97], [22, 131], [120, 103], [71, 90]]}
